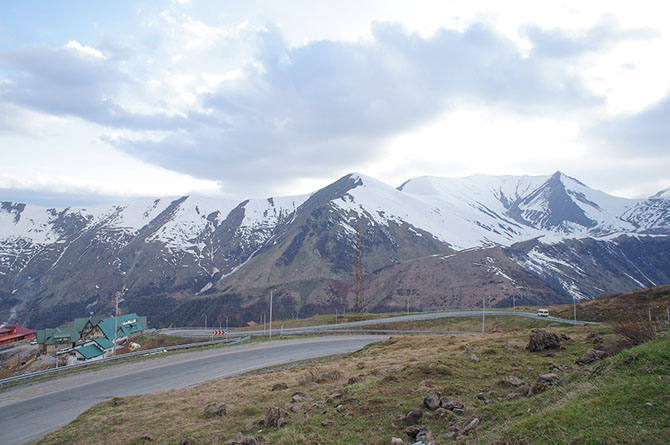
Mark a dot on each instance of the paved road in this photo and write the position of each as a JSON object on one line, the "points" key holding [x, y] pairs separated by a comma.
{"points": [[31, 411], [202, 332]]}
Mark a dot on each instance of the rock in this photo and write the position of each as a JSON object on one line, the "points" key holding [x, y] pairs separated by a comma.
{"points": [[355, 379], [565, 337], [333, 395], [518, 392], [360, 365], [469, 427], [327, 422], [549, 378], [420, 433], [450, 404], [591, 356], [541, 340], [215, 409], [441, 412], [188, 441], [279, 386], [412, 417], [474, 358], [299, 396], [247, 440], [510, 380], [253, 426], [276, 417], [432, 401], [485, 396], [147, 437], [397, 441]]}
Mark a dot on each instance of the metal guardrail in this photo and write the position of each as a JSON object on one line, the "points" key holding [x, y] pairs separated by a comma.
{"points": [[117, 357]]}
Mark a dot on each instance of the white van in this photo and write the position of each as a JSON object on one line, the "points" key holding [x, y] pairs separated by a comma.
{"points": [[542, 313]]}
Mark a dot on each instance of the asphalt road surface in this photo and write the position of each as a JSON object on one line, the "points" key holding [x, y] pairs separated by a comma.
{"points": [[202, 332], [31, 411]]}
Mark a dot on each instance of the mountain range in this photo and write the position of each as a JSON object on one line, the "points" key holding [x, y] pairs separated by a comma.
{"points": [[432, 243]]}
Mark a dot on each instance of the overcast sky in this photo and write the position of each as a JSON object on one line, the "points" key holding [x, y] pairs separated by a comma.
{"points": [[122, 99]]}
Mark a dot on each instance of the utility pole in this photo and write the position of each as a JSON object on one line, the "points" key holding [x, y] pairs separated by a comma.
{"points": [[408, 304], [483, 313], [271, 292], [226, 328], [574, 308], [116, 316], [514, 302], [335, 315], [205, 315]]}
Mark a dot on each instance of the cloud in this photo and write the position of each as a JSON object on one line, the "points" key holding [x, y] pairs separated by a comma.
{"points": [[643, 134], [75, 81], [330, 105]]}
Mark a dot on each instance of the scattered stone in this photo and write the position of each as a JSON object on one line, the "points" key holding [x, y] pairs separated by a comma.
{"points": [[360, 365], [412, 417], [591, 356], [474, 358], [649, 404], [541, 340], [543, 383], [147, 437], [451, 404], [441, 413], [247, 440], [486, 396], [520, 391], [279, 386], [348, 415], [419, 432], [565, 337], [397, 441], [295, 407], [510, 380], [355, 379], [215, 409], [299, 396], [253, 426], [432, 401], [469, 427], [333, 396], [188, 441], [327, 422], [276, 417]]}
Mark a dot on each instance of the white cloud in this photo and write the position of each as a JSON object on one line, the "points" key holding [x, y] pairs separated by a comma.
{"points": [[84, 50]]}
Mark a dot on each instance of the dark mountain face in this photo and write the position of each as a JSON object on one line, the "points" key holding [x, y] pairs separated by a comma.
{"points": [[178, 259]]}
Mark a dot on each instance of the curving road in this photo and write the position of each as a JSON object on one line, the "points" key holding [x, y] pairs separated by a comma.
{"points": [[31, 411], [202, 332]]}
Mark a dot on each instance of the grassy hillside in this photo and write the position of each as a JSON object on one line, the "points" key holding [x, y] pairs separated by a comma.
{"points": [[610, 307], [359, 398]]}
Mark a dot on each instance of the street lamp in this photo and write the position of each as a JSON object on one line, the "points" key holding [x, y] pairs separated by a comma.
{"points": [[116, 315], [270, 333]]}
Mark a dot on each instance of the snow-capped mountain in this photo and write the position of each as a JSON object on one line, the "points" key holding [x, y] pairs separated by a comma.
{"points": [[177, 257]]}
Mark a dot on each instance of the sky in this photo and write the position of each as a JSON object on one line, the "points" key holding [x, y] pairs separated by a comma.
{"points": [[108, 101]]}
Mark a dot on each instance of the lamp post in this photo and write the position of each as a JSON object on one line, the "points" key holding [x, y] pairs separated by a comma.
{"points": [[116, 316]]}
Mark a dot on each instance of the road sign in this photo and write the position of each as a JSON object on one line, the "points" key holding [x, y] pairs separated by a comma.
{"points": [[219, 332]]}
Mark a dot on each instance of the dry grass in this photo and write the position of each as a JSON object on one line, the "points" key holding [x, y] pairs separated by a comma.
{"points": [[387, 379]]}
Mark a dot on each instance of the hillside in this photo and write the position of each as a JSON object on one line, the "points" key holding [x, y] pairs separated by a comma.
{"points": [[366, 396], [442, 242]]}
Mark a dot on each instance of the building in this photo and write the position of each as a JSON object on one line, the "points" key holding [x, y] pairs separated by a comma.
{"points": [[90, 336], [54, 339], [13, 333]]}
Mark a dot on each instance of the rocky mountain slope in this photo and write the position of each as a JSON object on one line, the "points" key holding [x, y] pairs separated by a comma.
{"points": [[444, 242]]}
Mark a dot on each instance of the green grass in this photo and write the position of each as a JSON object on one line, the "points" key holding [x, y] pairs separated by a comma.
{"points": [[615, 410]]}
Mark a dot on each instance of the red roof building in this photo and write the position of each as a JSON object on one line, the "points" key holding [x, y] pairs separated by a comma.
{"points": [[14, 332]]}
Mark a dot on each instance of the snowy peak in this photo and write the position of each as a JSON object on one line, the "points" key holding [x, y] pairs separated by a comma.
{"points": [[663, 194]]}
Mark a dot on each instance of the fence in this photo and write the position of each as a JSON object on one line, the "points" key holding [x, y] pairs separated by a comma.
{"points": [[117, 357]]}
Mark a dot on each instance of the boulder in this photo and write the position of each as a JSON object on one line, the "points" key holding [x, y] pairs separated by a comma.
{"points": [[541, 340], [469, 427], [510, 380], [189, 441], [147, 437], [276, 417], [451, 404], [591, 356], [279, 386], [412, 417], [420, 433], [543, 383], [474, 358], [432, 401], [397, 441], [215, 409]]}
